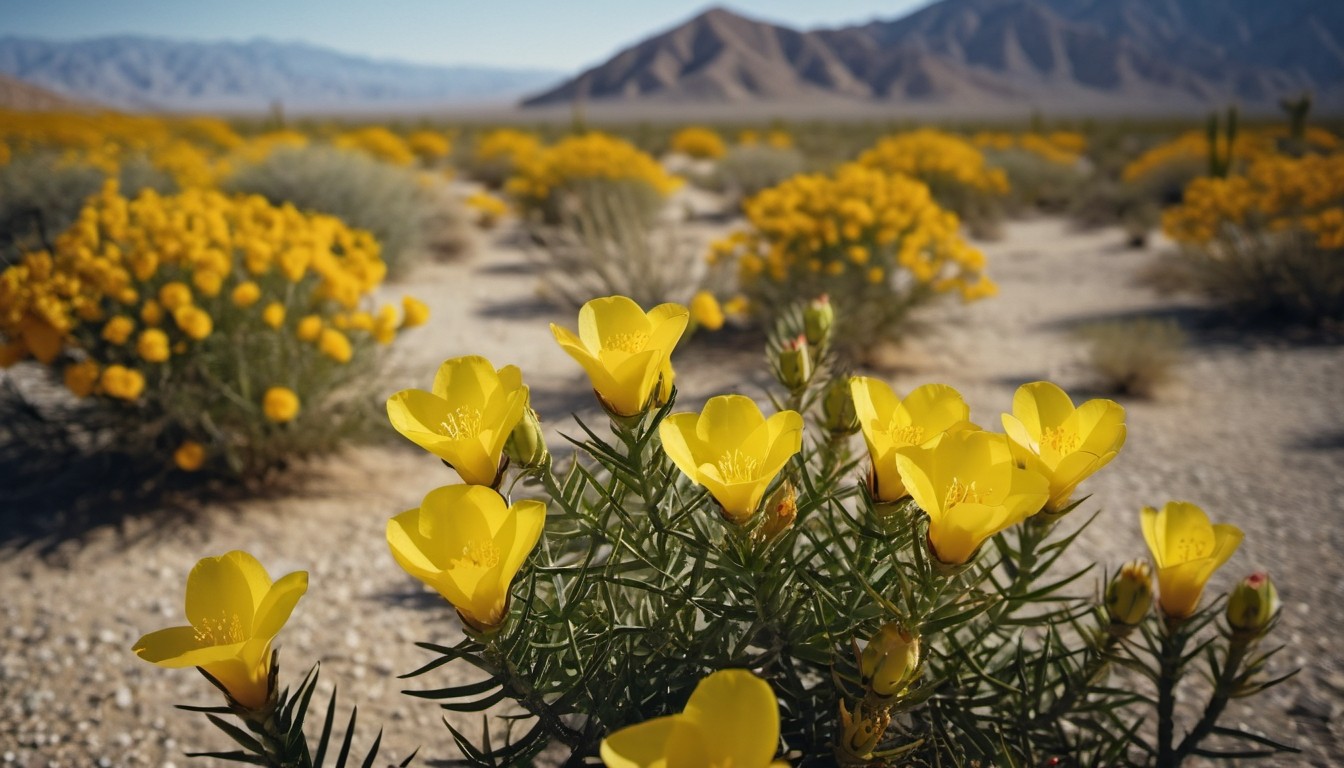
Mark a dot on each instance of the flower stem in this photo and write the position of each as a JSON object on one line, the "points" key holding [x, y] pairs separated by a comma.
{"points": [[1223, 689], [1169, 674]]}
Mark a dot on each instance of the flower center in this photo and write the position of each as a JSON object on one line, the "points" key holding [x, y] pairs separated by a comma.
{"points": [[462, 423], [1189, 548], [962, 493], [907, 434], [630, 343], [478, 555], [737, 467], [1059, 440], [225, 630]]}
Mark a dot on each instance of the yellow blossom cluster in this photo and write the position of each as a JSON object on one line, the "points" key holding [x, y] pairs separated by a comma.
{"points": [[774, 138], [141, 286], [377, 142], [1063, 147], [698, 142], [1192, 147], [487, 209], [1276, 192], [586, 158], [858, 225], [938, 159], [497, 153], [430, 146]]}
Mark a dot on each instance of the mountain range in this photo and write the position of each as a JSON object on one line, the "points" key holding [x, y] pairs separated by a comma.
{"points": [[143, 73], [1092, 55]]}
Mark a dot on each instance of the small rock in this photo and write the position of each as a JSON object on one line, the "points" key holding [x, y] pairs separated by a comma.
{"points": [[123, 698]]}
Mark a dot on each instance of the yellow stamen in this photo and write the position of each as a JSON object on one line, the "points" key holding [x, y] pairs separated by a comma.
{"points": [[960, 493], [632, 343], [478, 555], [1188, 549], [737, 467], [462, 423], [908, 434], [222, 631], [1061, 441]]}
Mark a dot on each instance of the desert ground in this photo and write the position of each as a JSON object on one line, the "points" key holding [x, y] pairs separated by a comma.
{"points": [[1253, 432]]}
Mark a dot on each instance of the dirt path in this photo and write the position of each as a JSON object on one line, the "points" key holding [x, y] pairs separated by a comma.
{"points": [[1255, 435]]}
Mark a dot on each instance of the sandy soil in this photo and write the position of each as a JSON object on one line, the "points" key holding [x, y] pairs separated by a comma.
{"points": [[1255, 434]]}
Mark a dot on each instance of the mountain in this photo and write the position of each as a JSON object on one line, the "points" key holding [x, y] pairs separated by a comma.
{"points": [[156, 74], [1152, 55], [24, 97]]}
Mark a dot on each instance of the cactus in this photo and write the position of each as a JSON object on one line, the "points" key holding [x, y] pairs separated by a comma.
{"points": [[1220, 163], [1297, 110]]}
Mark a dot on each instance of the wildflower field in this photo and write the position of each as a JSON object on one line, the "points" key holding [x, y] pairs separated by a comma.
{"points": [[768, 444]]}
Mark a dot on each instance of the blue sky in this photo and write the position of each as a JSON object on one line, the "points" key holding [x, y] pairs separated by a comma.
{"points": [[548, 34]]}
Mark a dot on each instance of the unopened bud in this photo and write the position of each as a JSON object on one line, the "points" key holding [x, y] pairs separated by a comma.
{"points": [[780, 511], [818, 319], [861, 731], [837, 408], [1129, 596], [526, 445], [662, 392], [795, 364], [1253, 604], [889, 661]]}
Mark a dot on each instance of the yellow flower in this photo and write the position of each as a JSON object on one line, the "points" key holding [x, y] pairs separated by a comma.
{"points": [[194, 321], [1187, 549], [889, 424], [274, 314], [245, 294], [1064, 443], [235, 612], [151, 313], [623, 349], [334, 345], [971, 488], [414, 312], [118, 330], [310, 327], [122, 383], [732, 450], [82, 377], [189, 456], [731, 719], [152, 346], [466, 544], [280, 404], [174, 295], [466, 418], [706, 311]]}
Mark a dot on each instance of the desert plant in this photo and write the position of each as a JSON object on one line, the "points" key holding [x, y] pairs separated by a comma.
{"points": [[748, 169], [698, 142], [1267, 243], [583, 170], [1134, 357], [1037, 181], [495, 155], [377, 142], [953, 169], [388, 201], [876, 242], [234, 334]]}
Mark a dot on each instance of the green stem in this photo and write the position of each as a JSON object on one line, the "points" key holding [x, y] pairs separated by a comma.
{"points": [[521, 691], [1169, 673], [1223, 688], [1099, 660]]}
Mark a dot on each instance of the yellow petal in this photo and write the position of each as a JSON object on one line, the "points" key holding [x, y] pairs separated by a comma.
{"points": [[418, 416], [915, 466], [935, 407], [874, 404], [466, 382], [739, 716], [530, 517], [680, 442], [279, 603], [1184, 533], [958, 532], [177, 647], [643, 745], [224, 588], [1041, 404], [602, 319], [727, 419], [1101, 424], [410, 549], [1226, 539]]}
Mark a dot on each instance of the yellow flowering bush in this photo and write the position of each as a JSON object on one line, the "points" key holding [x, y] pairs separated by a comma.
{"points": [[487, 208], [954, 170], [496, 154], [876, 242], [578, 169], [1269, 241], [240, 326], [377, 142], [431, 147], [698, 142]]}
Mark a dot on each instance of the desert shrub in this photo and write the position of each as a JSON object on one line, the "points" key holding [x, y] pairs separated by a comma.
{"points": [[430, 147], [237, 331], [611, 246], [775, 138], [1269, 243], [377, 142], [748, 169], [1036, 181], [388, 201], [41, 195], [953, 169], [698, 142], [486, 209], [584, 170], [876, 242], [1134, 357], [495, 155]]}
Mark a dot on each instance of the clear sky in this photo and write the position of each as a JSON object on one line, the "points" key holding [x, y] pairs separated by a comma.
{"points": [[547, 34]]}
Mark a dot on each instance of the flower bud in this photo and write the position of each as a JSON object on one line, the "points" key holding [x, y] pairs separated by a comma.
{"points": [[861, 731], [889, 661], [837, 408], [794, 364], [1253, 605], [1129, 596], [780, 510], [818, 319], [526, 445]]}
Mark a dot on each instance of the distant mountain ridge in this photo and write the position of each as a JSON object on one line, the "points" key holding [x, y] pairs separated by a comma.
{"points": [[1113, 54], [132, 72]]}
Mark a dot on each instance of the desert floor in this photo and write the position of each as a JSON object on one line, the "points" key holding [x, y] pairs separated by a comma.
{"points": [[1254, 433]]}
